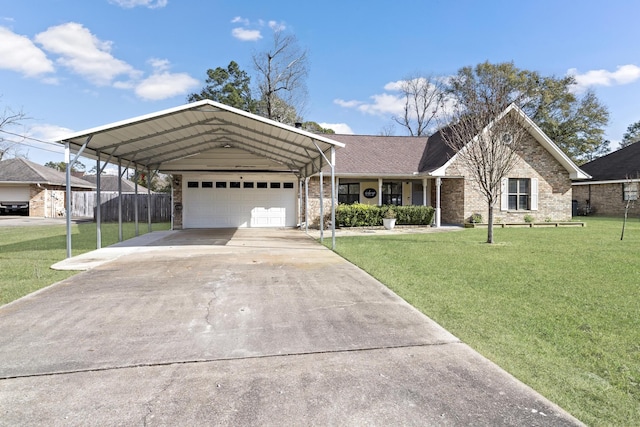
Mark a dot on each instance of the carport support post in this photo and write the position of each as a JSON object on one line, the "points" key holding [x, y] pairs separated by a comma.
{"points": [[119, 200], [306, 205], [333, 197], [321, 207], [149, 200], [67, 159], [99, 205], [135, 205]]}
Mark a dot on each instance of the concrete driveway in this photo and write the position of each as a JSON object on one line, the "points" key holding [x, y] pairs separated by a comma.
{"points": [[242, 327]]}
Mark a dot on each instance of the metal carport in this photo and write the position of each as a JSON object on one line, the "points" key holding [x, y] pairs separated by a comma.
{"points": [[148, 142]]}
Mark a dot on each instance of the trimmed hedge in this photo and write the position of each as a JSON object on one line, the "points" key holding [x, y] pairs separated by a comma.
{"points": [[361, 215]]}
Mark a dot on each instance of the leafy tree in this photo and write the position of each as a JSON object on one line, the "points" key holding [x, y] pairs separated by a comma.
{"points": [[575, 123], [282, 72], [632, 135], [230, 86], [279, 110], [316, 128], [62, 166]]}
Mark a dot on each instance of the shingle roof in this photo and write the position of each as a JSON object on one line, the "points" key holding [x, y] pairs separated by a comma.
{"points": [[379, 155], [25, 172], [621, 164], [110, 183]]}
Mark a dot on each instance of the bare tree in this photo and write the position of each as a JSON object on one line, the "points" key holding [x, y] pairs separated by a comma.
{"points": [[423, 96], [487, 139], [9, 119], [282, 72]]}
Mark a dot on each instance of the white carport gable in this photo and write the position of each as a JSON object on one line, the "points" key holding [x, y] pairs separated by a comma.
{"points": [[153, 141], [207, 138]]}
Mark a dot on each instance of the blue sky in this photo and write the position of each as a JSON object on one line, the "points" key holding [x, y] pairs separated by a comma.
{"points": [[71, 65]]}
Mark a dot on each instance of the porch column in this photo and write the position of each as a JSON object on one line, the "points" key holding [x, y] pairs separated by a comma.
{"points": [[438, 184], [379, 191], [120, 200], [425, 201]]}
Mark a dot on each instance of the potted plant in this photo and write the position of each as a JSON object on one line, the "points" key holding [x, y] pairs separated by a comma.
{"points": [[389, 220]]}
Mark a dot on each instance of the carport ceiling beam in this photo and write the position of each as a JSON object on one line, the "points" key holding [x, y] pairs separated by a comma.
{"points": [[167, 143], [184, 152], [261, 142], [156, 134]]}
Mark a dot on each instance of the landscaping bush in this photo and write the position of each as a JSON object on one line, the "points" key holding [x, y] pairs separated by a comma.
{"points": [[361, 215]]}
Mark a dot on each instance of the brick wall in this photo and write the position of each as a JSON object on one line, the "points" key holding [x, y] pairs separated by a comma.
{"points": [[314, 200], [534, 161], [606, 199], [46, 202]]}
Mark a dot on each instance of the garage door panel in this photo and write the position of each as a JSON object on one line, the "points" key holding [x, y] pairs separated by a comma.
{"points": [[239, 207]]}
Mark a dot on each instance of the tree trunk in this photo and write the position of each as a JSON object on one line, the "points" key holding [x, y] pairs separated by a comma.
{"points": [[490, 224]]}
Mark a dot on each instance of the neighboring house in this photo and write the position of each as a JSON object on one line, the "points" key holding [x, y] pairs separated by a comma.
{"points": [[615, 180], [109, 184], [31, 189], [425, 171]]}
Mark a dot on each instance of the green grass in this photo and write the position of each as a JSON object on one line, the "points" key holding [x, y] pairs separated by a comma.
{"points": [[559, 308], [26, 253]]}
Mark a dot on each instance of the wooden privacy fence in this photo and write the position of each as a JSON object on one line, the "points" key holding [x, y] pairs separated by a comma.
{"points": [[83, 204]]}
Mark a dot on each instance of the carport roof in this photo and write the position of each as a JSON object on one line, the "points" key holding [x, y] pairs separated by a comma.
{"points": [[155, 139]]}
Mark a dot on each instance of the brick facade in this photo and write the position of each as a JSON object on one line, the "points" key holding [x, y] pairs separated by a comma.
{"points": [[177, 208], [605, 199], [47, 201], [554, 189]]}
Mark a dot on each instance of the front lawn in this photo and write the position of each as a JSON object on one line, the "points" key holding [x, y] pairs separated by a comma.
{"points": [[26, 253], [559, 308]]}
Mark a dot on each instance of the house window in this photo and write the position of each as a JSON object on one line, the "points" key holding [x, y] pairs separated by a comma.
{"points": [[630, 191], [392, 193], [349, 193], [519, 194]]}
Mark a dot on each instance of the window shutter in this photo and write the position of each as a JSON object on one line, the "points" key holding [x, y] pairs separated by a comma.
{"points": [[504, 196], [534, 194]]}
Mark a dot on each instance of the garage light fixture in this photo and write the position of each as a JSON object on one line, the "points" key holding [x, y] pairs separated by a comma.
{"points": [[226, 146]]}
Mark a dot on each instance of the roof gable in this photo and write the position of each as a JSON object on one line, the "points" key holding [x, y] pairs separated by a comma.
{"points": [[574, 171]]}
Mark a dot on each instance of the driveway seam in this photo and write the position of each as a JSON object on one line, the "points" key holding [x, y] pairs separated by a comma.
{"points": [[222, 359]]}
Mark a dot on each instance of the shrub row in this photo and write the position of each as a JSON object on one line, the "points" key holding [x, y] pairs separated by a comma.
{"points": [[361, 215]]}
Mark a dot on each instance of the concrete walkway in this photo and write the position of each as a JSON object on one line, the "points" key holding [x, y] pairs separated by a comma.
{"points": [[242, 327]]}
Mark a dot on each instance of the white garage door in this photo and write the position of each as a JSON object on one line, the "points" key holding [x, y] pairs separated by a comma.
{"points": [[18, 193], [229, 203]]}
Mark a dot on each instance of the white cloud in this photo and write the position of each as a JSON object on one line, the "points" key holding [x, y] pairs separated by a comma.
{"points": [[277, 26], [341, 128], [84, 54], [240, 20], [163, 84], [245, 34], [151, 4], [624, 74], [347, 104], [18, 53], [383, 104], [48, 132]]}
